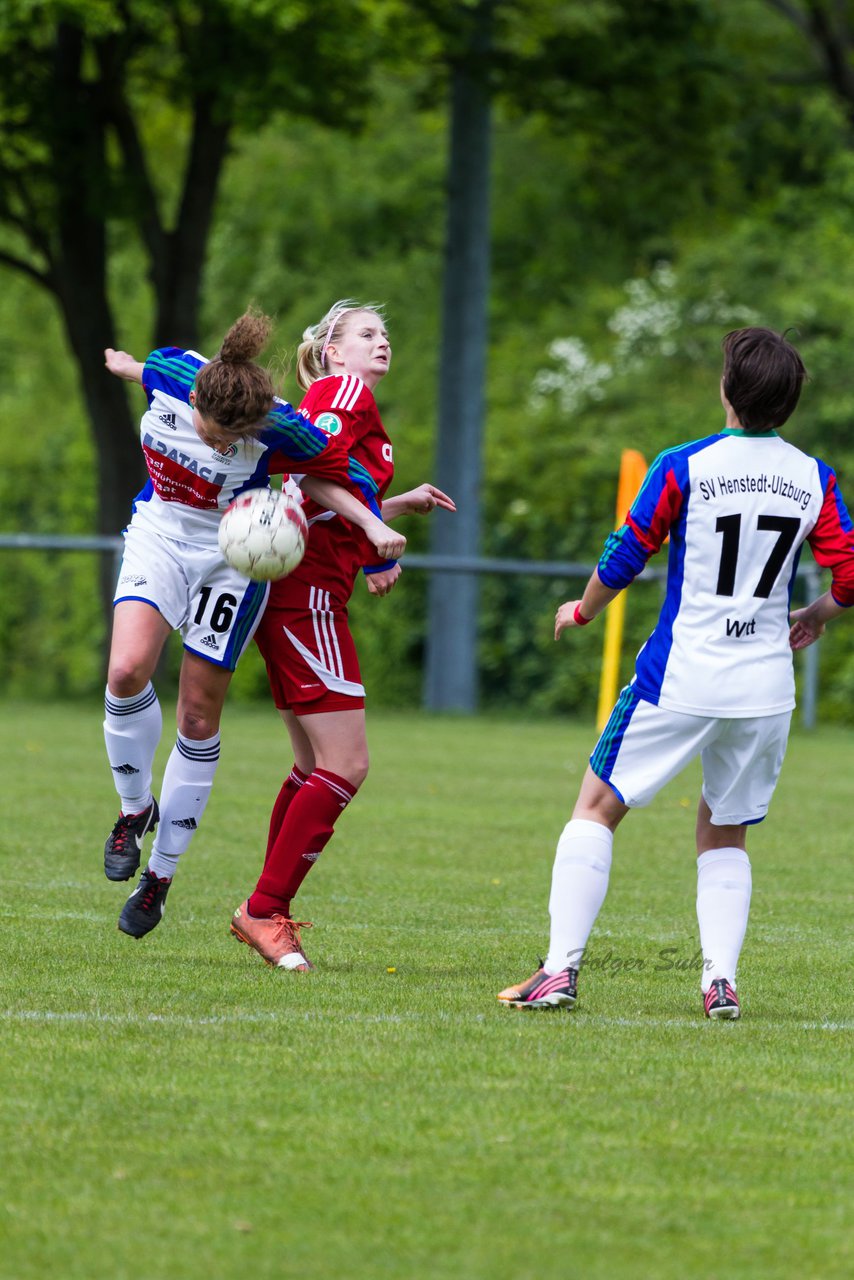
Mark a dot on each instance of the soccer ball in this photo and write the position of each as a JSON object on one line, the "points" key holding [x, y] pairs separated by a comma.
{"points": [[263, 534]]}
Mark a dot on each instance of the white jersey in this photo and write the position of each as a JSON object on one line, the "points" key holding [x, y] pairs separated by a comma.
{"points": [[190, 483], [737, 510]]}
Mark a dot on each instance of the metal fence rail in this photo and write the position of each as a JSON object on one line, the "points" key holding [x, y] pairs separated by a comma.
{"points": [[808, 573], [107, 544]]}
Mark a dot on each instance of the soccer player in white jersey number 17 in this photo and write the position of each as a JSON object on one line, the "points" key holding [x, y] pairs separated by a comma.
{"points": [[715, 678]]}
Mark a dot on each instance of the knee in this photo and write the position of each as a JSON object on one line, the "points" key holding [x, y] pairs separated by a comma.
{"points": [[126, 678], [359, 769], [598, 803], [353, 766], [198, 722]]}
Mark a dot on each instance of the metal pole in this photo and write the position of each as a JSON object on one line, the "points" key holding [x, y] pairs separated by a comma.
{"points": [[450, 681]]}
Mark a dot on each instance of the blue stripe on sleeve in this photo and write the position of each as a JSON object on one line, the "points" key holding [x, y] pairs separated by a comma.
{"points": [[288, 432], [622, 559], [172, 371]]}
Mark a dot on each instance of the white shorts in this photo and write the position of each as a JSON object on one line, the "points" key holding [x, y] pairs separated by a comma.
{"points": [[215, 608], [642, 747]]}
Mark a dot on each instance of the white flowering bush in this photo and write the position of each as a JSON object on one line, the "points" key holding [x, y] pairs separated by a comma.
{"points": [[576, 379], [648, 323], [655, 322]]}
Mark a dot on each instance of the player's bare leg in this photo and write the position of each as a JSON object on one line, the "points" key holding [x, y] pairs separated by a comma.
{"points": [[202, 687], [139, 634], [339, 743], [300, 742], [597, 802]]}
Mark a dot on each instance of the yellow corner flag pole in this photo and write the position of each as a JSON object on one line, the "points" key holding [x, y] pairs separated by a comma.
{"points": [[632, 471]]}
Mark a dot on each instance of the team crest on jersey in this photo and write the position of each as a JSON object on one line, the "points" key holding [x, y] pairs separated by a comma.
{"points": [[328, 422], [223, 455]]}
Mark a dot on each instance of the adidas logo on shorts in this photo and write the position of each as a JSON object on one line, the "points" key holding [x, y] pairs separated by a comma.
{"points": [[209, 641]]}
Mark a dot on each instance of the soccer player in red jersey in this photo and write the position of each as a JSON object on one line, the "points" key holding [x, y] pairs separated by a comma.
{"points": [[304, 635]]}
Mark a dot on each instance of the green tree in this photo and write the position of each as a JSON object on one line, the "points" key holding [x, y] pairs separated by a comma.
{"points": [[827, 27], [741, 181], [89, 154], [619, 67]]}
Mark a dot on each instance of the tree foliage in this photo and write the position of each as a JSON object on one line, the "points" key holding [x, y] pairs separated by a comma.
{"points": [[84, 159], [631, 227]]}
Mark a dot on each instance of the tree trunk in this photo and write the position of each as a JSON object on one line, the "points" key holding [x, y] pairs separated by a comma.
{"points": [[78, 277], [179, 283]]}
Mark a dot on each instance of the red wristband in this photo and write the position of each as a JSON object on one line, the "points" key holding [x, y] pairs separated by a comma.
{"points": [[579, 618]]}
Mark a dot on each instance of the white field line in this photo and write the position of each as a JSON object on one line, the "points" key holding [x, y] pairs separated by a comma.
{"points": [[83, 1017]]}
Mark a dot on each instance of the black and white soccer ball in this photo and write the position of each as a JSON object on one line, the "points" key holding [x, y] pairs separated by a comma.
{"points": [[263, 534]]}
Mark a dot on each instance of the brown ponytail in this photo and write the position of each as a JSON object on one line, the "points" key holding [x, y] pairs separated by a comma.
{"points": [[231, 390]]}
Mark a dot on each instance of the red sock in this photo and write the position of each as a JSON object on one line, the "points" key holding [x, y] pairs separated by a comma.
{"points": [[290, 788], [303, 835]]}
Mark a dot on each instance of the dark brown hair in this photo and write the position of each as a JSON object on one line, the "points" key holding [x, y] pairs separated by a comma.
{"points": [[762, 379], [231, 390]]}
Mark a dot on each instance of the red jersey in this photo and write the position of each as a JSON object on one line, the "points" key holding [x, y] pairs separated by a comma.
{"points": [[344, 407]]}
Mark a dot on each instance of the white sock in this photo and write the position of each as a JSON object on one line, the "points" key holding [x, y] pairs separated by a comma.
{"points": [[579, 883], [723, 904], [187, 783], [132, 728]]}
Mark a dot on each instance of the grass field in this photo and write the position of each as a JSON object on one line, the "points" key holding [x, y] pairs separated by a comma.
{"points": [[173, 1109]]}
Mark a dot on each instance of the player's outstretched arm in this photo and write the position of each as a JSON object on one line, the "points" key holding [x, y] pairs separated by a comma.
{"points": [[389, 544], [123, 365], [808, 624], [420, 501], [577, 613]]}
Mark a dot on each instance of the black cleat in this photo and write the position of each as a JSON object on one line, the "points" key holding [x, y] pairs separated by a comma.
{"points": [[144, 908], [124, 845], [720, 1001]]}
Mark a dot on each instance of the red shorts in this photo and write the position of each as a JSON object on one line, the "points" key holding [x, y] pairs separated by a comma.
{"points": [[311, 658]]}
